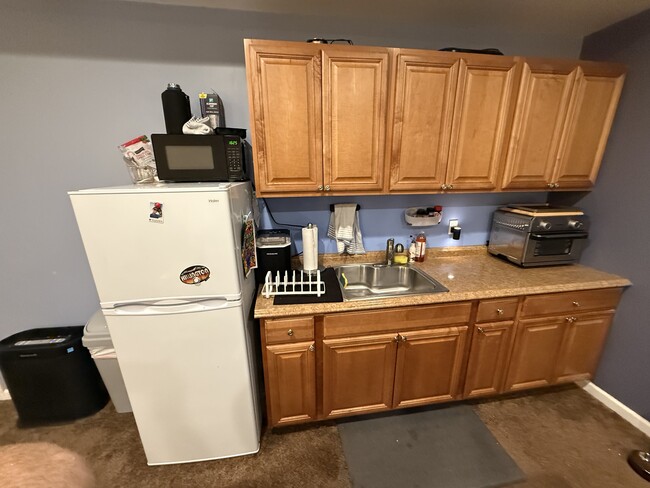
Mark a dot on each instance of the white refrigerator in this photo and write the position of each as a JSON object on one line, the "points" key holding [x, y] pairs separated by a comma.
{"points": [[167, 263]]}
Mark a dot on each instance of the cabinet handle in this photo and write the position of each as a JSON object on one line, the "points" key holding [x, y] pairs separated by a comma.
{"points": [[571, 319], [404, 338], [481, 330], [327, 188], [312, 348], [550, 185], [499, 311], [557, 185], [443, 187], [397, 338], [576, 304], [320, 188], [450, 187], [290, 332]]}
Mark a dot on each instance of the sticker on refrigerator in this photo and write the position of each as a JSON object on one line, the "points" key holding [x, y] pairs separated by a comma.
{"points": [[156, 212], [195, 275]]}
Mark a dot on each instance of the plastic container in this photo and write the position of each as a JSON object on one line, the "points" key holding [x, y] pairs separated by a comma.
{"points": [[176, 108], [98, 341], [51, 376]]}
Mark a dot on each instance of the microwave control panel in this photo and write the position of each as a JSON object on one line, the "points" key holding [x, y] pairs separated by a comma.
{"points": [[234, 157]]}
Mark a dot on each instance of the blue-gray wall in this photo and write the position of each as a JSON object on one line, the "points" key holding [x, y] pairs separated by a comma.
{"points": [[620, 209]]}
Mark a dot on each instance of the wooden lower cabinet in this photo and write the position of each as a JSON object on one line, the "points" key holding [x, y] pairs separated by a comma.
{"points": [[358, 374], [373, 373], [535, 353], [291, 382], [352, 363], [488, 358], [429, 364], [583, 343]]}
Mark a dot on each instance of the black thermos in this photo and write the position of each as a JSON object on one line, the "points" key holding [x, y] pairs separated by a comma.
{"points": [[176, 108]]}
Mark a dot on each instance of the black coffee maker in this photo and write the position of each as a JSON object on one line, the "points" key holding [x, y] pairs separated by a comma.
{"points": [[273, 253]]}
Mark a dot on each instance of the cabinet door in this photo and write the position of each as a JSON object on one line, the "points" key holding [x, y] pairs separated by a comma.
{"points": [[583, 342], [358, 374], [355, 94], [488, 357], [291, 383], [591, 113], [482, 117], [429, 364], [284, 94], [541, 111], [425, 89], [535, 353]]}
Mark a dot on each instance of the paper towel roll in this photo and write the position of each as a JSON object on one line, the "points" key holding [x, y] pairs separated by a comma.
{"points": [[310, 248]]}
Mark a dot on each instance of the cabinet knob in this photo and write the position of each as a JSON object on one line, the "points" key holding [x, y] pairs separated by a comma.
{"points": [[450, 187], [571, 319], [550, 185], [443, 187], [320, 188], [481, 330], [499, 311], [290, 332], [557, 185], [327, 188], [404, 338], [576, 304], [312, 348]]}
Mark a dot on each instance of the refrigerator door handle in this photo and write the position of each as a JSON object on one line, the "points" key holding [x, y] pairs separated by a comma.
{"points": [[171, 307]]}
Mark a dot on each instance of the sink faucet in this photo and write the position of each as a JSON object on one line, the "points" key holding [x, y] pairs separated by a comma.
{"points": [[390, 251]]}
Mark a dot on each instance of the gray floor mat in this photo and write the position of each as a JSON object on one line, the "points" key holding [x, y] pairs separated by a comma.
{"points": [[447, 447]]}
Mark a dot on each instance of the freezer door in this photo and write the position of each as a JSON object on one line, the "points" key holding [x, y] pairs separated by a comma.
{"points": [[188, 376], [144, 245]]}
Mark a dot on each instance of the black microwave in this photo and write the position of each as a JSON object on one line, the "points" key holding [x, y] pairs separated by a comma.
{"points": [[182, 157]]}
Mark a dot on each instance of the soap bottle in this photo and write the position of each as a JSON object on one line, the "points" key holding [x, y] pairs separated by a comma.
{"points": [[420, 247], [412, 250]]}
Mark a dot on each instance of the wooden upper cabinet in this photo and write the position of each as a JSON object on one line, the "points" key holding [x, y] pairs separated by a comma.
{"points": [[355, 97], [284, 94], [481, 122], [450, 120], [593, 105], [564, 113], [425, 88], [541, 110], [318, 117]]}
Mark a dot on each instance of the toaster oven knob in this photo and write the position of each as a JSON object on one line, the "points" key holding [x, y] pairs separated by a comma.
{"points": [[544, 225], [576, 224]]}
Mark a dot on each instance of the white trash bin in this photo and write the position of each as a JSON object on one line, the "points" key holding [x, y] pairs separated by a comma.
{"points": [[98, 341]]}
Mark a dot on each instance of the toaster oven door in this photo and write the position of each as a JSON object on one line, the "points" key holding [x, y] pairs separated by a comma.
{"points": [[507, 242], [553, 248]]}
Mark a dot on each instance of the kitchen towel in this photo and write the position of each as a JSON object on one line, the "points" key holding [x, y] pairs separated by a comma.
{"points": [[344, 227]]}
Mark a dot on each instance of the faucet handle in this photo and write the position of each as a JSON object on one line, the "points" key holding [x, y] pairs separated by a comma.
{"points": [[399, 248]]}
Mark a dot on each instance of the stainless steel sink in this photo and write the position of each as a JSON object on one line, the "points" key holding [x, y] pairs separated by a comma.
{"points": [[368, 281]]}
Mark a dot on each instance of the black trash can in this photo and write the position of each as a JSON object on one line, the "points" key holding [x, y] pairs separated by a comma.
{"points": [[51, 376]]}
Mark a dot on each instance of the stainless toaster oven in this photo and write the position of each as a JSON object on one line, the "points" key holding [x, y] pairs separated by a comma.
{"points": [[538, 234]]}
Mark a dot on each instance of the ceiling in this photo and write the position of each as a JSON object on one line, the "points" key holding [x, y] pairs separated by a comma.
{"points": [[575, 17]]}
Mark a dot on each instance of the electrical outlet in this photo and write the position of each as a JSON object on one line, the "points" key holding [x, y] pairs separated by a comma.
{"points": [[452, 223]]}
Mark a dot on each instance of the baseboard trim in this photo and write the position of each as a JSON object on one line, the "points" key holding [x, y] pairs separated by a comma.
{"points": [[618, 407]]}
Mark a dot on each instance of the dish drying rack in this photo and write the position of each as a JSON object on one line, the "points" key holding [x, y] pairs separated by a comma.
{"points": [[305, 284]]}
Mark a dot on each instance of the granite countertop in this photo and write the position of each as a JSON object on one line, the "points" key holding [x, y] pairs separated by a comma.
{"points": [[470, 273]]}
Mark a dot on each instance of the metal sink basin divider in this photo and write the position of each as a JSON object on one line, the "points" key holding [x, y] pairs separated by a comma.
{"points": [[368, 281]]}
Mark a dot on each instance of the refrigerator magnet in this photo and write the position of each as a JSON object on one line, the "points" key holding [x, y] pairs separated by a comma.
{"points": [[195, 275], [156, 212]]}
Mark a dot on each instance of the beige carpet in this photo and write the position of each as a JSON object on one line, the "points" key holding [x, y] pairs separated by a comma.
{"points": [[561, 438]]}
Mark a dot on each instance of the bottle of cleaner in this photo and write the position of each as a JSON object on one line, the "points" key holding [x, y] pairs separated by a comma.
{"points": [[420, 247]]}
